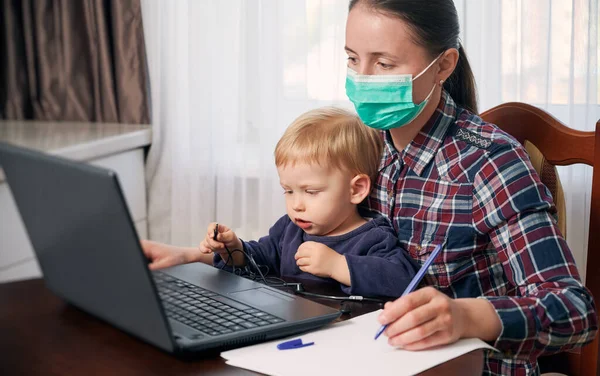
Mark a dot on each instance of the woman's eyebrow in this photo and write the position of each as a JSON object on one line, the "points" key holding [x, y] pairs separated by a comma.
{"points": [[383, 54], [375, 54]]}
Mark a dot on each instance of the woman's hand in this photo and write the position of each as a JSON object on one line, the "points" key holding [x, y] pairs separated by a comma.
{"points": [[427, 318], [165, 255]]}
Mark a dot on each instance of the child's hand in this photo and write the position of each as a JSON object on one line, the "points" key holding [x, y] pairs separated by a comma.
{"points": [[225, 238], [165, 255], [320, 260]]}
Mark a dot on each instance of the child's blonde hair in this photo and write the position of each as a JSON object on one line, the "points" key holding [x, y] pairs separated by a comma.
{"points": [[331, 137]]}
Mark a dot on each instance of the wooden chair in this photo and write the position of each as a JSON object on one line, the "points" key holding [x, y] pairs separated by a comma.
{"points": [[562, 146]]}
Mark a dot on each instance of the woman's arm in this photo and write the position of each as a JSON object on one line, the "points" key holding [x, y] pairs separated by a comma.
{"points": [[546, 308], [165, 255], [549, 309]]}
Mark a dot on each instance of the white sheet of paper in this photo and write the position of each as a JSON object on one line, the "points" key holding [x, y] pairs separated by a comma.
{"points": [[345, 348]]}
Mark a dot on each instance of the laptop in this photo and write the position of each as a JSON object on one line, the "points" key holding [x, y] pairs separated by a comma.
{"points": [[89, 252]]}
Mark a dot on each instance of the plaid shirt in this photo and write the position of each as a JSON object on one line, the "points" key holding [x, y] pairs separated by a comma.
{"points": [[470, 186]]}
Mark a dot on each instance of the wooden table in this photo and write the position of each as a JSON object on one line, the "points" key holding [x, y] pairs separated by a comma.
{"points": [[40, 334]]}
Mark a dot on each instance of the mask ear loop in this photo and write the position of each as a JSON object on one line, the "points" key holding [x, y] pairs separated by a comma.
{"points": [[429, 66], [426, 99], [433, 88]]}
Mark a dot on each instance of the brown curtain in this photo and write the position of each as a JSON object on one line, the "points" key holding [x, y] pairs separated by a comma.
{"points": [[79, 60]]}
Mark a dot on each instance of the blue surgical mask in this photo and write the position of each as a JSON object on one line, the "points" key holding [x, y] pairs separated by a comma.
{"points": [[385, 101]]}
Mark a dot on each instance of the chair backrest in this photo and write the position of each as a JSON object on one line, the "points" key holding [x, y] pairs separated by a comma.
{"points": [[562, 146], [549, 176]]}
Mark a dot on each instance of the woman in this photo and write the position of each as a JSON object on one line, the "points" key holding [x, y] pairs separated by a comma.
{"points": [[506, 275]]}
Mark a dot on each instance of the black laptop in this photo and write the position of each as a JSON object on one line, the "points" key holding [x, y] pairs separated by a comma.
{"points": [[90, 255]]}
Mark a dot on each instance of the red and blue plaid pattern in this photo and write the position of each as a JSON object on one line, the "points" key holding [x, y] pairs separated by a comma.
{"points": [[467, 184]]}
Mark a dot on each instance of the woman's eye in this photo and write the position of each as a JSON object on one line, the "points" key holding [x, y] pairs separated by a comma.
{"points": [[312, 192], [351, 60], [287, 192], [385, 66]]}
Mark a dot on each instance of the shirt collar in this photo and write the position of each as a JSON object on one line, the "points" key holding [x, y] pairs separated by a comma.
{"points": [[423, 148]]}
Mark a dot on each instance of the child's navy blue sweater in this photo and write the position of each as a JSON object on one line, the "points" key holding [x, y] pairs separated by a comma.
{"points": [[378, 265]]}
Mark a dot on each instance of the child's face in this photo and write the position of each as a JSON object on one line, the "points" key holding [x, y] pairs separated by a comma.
{"points": [[318, 199]]}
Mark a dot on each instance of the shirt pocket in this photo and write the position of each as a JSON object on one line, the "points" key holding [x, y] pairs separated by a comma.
{"points": [[448, 264], [418, 245]]}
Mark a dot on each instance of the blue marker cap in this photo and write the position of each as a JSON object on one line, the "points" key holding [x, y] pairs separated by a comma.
{"points": [[293, 344]]}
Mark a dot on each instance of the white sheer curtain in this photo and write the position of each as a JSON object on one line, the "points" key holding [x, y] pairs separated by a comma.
{"points": [[228, 77]]}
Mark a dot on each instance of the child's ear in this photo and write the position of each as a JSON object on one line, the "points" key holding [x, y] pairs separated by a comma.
{"points": [[360, 186]]}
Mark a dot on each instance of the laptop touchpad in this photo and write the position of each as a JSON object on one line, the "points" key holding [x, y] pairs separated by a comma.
{"points": [[260, 297]]}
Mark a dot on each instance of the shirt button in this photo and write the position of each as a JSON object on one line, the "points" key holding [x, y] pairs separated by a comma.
{"points": [[419, 248]]}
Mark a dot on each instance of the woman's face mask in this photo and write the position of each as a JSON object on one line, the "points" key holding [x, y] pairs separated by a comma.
{"points": [[385, 101]]}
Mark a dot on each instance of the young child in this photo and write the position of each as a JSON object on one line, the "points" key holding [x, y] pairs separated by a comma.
{"points": [[326, 161]]}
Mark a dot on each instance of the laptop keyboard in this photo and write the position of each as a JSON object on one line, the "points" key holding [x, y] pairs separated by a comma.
{"points": [[206, 311]]}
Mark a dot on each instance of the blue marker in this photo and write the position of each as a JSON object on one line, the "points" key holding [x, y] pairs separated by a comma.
{"points": [[415, 281]]}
